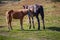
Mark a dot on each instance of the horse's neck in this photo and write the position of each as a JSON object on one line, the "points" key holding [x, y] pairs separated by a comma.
{"points": [[24, 11]]}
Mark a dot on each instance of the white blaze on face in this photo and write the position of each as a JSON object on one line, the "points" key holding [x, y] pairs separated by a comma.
{"points": [[31, 8], [34, 8]]}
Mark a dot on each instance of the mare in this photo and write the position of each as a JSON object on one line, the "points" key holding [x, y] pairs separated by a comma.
{"points": [[15, 14], [35, 10]]}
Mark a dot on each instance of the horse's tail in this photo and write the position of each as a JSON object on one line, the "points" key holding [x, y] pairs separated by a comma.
{"points": [[42, 11], [42, 16], [8, 15]]}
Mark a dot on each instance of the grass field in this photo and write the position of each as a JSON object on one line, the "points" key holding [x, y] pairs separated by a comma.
{"points": [[52, 22]]}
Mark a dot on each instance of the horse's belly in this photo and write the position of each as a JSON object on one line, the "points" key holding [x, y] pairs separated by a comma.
{"points": [[16, 16]]}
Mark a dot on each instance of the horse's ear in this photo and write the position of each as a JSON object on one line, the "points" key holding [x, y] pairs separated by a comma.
{"points": [[24, 6], [27, 7]]}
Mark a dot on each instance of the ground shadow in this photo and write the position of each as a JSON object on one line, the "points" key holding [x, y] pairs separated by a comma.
{"points": [[4, 2], [4, 31], [55, 0], [28, 30], [54, 28], [2, 26], [1, 30]]}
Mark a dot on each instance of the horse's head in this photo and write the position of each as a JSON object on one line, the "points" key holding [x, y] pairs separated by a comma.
{"points": [[25, 6]]}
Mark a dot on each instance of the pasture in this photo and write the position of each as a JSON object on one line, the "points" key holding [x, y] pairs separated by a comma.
{"points": [[52, 22]]}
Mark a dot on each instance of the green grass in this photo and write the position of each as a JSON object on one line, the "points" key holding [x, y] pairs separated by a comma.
{"points": [[52, 23], [31, 35]]}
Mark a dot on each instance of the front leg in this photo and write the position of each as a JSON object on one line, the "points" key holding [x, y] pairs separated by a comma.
{"points": [[21, 22], [33, 22], [29, 15], [30, 22]]}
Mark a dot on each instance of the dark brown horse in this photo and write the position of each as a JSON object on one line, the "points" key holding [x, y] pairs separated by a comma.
{"points": [[19, 14], [36, 10]]}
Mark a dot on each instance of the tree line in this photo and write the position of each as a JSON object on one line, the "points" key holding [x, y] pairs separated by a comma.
{"points": [[8, 0]]}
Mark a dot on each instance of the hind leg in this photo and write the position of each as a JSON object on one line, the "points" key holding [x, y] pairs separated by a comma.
{"points": [[42, 16], [43, 22], [9, 24], [38, 22]]}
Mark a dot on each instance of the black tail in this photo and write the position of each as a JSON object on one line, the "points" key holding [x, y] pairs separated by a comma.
{"points": [[42, 11], [42, 15]]}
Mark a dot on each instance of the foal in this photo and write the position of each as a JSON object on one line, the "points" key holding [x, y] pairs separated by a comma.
{"points": [[36, 9], [19, 14]]}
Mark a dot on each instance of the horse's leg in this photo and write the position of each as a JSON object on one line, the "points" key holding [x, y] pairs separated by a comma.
{"points": [[21, 22], [42, 15], [29, 19], [30, 22], [38, 22], [43, 21], [9, 24], [33, 22]]}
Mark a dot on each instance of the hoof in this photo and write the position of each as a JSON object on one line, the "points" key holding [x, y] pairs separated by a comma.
{"points": [[38, 27], [44, 28], [29, 27], [22, 29], [33, 27]]}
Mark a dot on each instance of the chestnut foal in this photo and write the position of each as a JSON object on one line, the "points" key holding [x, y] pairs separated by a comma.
{"points": [[19, 14]]}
